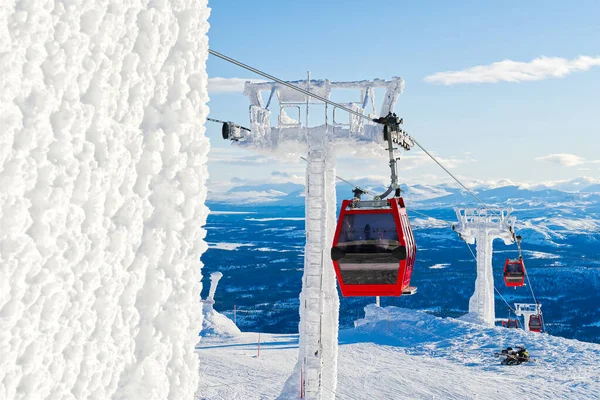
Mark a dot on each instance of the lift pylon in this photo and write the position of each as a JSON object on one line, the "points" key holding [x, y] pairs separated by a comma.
{"points": [[526, 311], [293, 133], [483, 226]]}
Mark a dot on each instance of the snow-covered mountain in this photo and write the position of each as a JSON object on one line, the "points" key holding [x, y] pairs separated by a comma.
{"points": [[257, 194], [587, 193], [592, 188], [583, 184]]}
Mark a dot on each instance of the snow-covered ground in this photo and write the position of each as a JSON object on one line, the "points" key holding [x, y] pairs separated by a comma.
{"points": [[397, 353], [229, 246], [102, 190]]}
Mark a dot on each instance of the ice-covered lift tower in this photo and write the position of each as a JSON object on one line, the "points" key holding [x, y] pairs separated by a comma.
{"points": [[315, 375], [526, 311], [483, 226]]}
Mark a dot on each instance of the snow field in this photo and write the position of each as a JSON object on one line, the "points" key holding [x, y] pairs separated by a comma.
{"points": [[102, 190], [413, 356]]}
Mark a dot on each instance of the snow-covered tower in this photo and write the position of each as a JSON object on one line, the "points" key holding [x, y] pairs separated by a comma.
{"points": [[526, 311], [483, 226], [298, 132]]}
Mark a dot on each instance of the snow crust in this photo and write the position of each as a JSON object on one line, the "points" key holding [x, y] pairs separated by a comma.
{"points": [[216, 324], [439, 266], [428, 223], [229, 246], [102, 190], [396, 353]]}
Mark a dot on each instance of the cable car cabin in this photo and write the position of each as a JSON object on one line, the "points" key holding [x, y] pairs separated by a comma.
{"points": [[514, 272], [374, 248], [512, 323], [535, 323]]}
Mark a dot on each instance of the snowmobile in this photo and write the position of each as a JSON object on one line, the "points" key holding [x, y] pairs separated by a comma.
{"points": [[513, 356]]}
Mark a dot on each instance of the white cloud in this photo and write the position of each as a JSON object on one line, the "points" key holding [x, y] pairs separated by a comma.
{"points": [[228, 85], [383, 180], [515, 71], [474, 183], [412, 160], [237, 156], [283, 177], [571, 184], [421, 159], [566, 160]]}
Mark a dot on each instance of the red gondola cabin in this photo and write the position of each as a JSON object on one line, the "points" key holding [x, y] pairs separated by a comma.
{"points": [[374, 248], [514, 272], [535, 323], [512, 323]]}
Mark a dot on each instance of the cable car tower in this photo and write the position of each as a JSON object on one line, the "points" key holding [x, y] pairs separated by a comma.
{"points": [[531, 314], [315, 374], [483, 226]]}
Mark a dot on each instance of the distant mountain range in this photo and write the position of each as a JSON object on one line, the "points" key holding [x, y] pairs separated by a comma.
{"points": [[581, 191]]}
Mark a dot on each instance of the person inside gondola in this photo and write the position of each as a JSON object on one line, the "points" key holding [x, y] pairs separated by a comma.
{"points": [[514, 268]]}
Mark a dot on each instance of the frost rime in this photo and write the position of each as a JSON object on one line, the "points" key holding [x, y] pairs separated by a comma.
{"points": [[102, 172], [483, 226]]}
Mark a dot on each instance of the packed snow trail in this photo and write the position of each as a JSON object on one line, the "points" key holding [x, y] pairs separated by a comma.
{"points": [[102, 172], [414, 356]]}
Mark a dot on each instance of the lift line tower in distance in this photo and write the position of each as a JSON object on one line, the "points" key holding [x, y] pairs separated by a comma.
{"points": [[527, 310], [315, 375], [483, 226]]}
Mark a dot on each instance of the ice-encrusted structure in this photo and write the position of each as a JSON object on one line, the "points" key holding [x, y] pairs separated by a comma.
{"points": [[315, 374], [293, 114], [214, 323], [483, 226], [102, 171], [527, 310]]}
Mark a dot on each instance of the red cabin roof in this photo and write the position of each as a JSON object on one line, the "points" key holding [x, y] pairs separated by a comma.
{"points": [[374, 248], [514, 272]]}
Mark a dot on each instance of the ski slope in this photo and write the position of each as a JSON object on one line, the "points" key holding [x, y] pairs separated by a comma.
{"points": [[102, 190], [413, 356]]}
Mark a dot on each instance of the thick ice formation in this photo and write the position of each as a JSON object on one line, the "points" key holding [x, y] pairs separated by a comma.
{"points": [[102, 171]]}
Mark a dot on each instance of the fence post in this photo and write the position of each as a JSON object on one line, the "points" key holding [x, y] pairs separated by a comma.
{"points": [[302, 381]]}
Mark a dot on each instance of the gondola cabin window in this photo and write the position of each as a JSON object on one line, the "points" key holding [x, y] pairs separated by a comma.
{"points": [[368, 241]]}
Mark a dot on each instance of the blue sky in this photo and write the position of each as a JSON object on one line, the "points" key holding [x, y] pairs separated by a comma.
{"points": [[544, 127]]}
